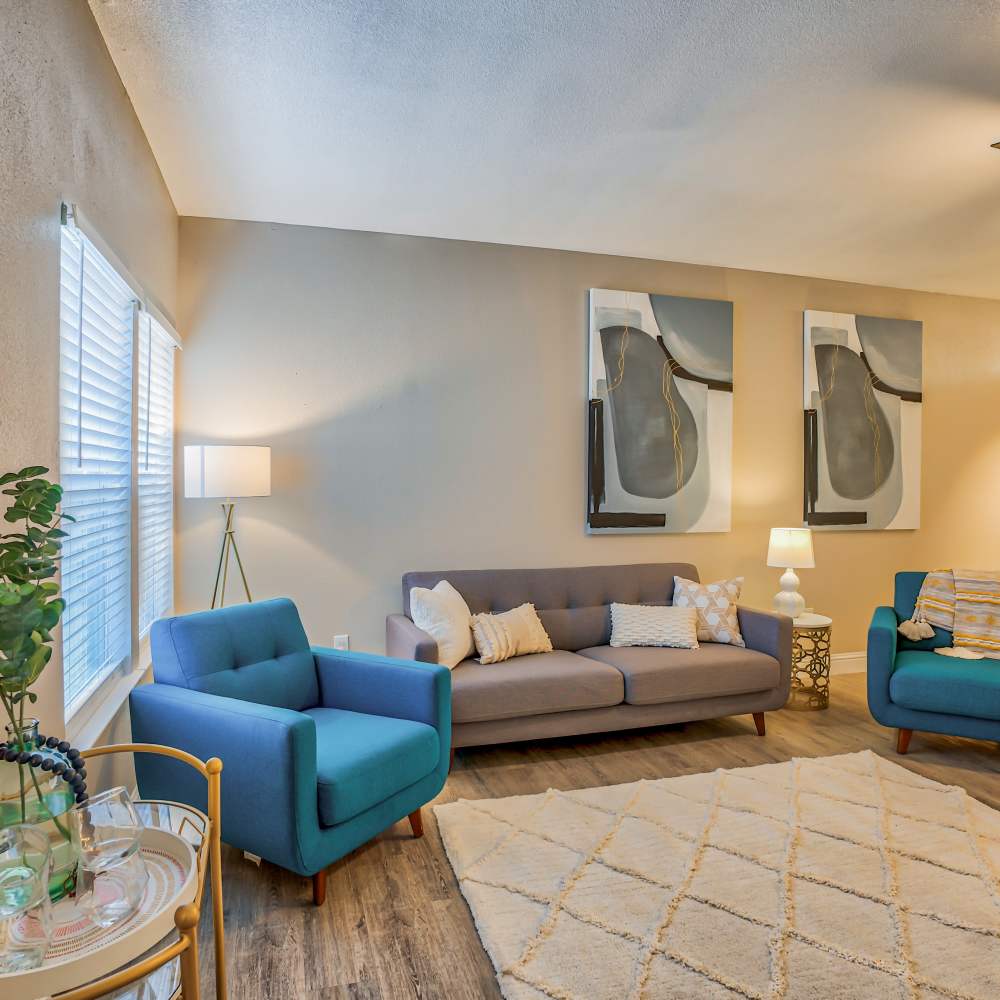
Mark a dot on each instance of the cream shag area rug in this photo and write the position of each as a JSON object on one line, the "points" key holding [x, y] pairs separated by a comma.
{"points": [[841, 877]]}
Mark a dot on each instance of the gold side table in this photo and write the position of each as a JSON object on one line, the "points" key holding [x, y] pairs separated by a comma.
{"points": [[810, 662]]}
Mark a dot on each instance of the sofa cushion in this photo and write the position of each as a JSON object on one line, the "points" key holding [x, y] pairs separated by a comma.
{"points": [[926, 682], [535, 684], [362, 760], [655, 676]]}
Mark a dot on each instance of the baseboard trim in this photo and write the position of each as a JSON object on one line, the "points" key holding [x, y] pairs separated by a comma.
{"points": [[848, 663]]}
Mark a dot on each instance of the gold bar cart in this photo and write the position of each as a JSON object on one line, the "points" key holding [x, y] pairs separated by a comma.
{"points": [[184, 947]]}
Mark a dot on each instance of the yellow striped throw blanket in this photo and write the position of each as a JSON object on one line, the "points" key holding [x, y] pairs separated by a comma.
{"points": [[965, 602]]}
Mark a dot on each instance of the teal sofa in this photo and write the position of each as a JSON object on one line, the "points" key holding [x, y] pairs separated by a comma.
{"points": [[322, 749], [910, 687]]}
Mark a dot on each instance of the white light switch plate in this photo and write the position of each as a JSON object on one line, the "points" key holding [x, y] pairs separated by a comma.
{"points": [[342, 641]]}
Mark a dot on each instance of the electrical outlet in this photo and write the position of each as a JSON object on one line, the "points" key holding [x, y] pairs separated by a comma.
{"points": [[342, 641]]}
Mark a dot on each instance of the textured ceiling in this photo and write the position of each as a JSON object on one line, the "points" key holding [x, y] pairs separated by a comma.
{"points": [[835, 138]]}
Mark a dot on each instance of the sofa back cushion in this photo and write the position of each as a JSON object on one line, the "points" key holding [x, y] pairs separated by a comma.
{"points": [[908, 584], [573, 602], [253, 652]]}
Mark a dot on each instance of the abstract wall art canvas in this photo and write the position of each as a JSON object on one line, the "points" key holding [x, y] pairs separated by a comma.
{"points": [[660, 414], [862, 400]]}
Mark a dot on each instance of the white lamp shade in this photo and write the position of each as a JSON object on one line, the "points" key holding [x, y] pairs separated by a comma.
{"points": [[226, 471], [791, 548]]}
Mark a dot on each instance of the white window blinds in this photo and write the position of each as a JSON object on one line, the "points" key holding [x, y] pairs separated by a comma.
{"points": [[154, 470], [95, 469]]}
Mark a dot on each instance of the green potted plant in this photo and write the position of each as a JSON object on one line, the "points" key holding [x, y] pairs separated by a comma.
{"points": [[40, 777]]}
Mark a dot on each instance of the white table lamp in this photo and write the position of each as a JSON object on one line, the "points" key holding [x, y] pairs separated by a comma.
{"points": [[791, 548], [227, 473]]}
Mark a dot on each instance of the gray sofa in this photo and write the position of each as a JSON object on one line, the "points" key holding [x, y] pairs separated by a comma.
{"points": [[584, 685]]}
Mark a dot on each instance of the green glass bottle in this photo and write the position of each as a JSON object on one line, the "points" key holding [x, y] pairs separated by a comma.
{"points": [[33, 790]]}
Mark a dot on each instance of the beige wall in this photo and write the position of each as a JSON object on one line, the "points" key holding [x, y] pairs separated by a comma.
{"points": [[425, 401], [67, 132]]}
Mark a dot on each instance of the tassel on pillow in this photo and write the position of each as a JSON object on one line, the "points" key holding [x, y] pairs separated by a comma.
{"points": [[915, 631], [935, 605]]}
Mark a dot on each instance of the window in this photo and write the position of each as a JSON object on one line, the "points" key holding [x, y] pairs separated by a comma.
{"points": [[115, 466], [154, 472], [95, 466]]}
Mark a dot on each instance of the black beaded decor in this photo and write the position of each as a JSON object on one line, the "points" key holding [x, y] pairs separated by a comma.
{"points": [[74, 773]]}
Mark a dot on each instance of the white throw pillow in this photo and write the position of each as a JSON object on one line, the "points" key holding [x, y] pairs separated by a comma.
{"points": [[443, 614], [513, 633], [641, 625]]}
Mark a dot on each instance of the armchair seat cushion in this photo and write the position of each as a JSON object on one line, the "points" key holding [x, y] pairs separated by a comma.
{"points": [[925, 682], [362, 760], [656, 675]]}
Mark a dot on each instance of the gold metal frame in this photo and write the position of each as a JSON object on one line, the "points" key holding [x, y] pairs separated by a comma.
{"points": [[186, 918], [228, 544], [810, 690]]}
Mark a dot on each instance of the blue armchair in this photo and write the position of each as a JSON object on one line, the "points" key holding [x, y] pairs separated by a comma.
{"points": [[912, 687], [322, 749]]}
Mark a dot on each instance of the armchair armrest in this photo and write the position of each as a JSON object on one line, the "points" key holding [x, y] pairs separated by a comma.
{"points": [[404, 641], [378, 685], [882, 645], [396, 689], [269, 765]]}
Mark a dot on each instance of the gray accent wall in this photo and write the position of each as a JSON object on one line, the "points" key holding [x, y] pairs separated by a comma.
{"points": [[426, 399]]}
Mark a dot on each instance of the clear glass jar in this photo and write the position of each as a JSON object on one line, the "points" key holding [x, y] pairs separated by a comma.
{"points": [[25, 908], [39, 795]]}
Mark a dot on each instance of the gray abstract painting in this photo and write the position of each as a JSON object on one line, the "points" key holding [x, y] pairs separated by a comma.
{"points": [[660, 418], [862, 410]]}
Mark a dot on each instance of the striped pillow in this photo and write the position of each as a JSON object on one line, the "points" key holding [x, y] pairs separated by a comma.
{"points": [[513, 633], [640, 625]]}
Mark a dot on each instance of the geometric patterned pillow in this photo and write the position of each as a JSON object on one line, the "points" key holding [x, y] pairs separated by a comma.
{"points": [[716, 606]]}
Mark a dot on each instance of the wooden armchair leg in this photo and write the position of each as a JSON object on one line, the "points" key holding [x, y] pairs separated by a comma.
{"points": [[416, 823], [319, 888], [758, 721], [903, 740]]}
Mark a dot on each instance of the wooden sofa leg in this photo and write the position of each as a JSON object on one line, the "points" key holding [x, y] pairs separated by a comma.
{"points": [[758, 721], [319, 888], [903, 740], [416, 823]]}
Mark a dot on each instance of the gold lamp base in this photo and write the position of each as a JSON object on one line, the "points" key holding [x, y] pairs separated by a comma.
{"points": [[228, 545]]}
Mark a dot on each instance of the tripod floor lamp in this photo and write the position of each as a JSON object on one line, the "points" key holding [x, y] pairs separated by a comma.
{"points": [[227, 473]]}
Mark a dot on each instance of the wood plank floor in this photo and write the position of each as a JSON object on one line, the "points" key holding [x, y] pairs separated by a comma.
{"points": [[395, 926]]}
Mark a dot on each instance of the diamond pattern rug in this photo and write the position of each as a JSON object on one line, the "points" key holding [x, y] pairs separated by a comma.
{"points": [[842, 877]]}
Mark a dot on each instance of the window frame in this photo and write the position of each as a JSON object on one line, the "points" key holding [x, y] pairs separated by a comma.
{"points": [[94, 712]]}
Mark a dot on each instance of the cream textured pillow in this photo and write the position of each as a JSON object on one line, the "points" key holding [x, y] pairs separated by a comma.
{"points": [[641, 625], [443, 614], [716, 607], [513, 633]]}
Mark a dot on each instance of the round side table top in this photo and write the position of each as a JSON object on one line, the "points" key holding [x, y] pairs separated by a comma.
{"points": [[809, 620]]}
